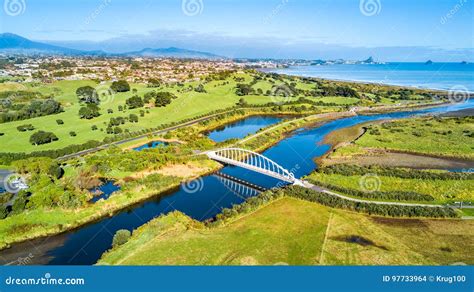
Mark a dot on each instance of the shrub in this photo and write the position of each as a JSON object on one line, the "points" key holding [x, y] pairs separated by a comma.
{"points": [[24, 128], [121, 237], [72, 134], [94, 127], [59, 122]]}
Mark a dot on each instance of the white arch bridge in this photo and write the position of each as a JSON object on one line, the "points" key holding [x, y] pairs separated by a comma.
{"points": [[253, 161]]}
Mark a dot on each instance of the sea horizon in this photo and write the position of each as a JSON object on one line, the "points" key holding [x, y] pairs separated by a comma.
{"points": [[437, 76]]}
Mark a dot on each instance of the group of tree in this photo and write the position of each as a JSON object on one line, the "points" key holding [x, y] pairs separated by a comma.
{"points": [[35, 108], [134, 102], [42, 137], [244, 89], [339, 90]]}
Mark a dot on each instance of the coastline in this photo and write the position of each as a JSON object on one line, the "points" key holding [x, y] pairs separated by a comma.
{"points": [[280, 71]]}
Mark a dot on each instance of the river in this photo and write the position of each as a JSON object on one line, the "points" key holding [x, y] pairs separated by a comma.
{"points": [[202, 198]]}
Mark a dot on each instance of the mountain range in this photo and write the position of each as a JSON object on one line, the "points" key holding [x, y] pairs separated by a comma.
{"points": [[14, 44]]}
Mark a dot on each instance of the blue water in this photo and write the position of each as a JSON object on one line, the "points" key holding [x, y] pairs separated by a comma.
{"points": [[435, 76], [242, 128], [106, 190], [150, 145], [203, 198]]}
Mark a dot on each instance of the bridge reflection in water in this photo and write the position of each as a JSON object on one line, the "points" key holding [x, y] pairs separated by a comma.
{"points": [[239, 187]]}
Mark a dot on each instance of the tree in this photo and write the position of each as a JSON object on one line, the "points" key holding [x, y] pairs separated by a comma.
{"points": [[72, 134], [242, 102], [89, 111], [163, 98], [117, 130], [20, 203], [55, 170], [200, 88], [134, 102], [149, 96], [59, 122], [243, 89], [121, 237], [120, 86], [87, 94], [152, 82], [42, 137], [133, 118]]}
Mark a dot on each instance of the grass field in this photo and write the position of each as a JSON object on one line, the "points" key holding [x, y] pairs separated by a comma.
{"points": [[296, 232], [187, 105], [447, 137]]}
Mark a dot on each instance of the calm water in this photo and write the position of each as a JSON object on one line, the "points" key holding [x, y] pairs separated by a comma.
{"points": [[435, 75], [201, 199], [106, 190], [150, 145], [242, 128]]}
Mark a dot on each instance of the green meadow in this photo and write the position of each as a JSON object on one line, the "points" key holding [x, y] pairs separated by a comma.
{"points": [[289, 231], [445, 137]]}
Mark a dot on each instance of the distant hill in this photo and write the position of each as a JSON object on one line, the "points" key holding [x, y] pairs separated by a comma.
{"points": [[172, 52], [14, 44]]}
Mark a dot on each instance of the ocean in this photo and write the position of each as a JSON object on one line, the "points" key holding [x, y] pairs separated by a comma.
{"points": [[446, 76]]}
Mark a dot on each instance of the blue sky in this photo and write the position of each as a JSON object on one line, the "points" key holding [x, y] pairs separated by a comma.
{"points": [[395, 30]]}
